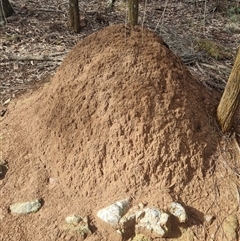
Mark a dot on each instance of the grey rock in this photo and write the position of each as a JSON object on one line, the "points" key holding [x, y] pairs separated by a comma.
{"points": [[73, 219], [77, 224], [155, 220], [140, 219], [26, 207], [113, 213], [149, 219]]}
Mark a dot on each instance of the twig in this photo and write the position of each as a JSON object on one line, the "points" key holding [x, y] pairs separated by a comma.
{"points": [[36, 58], [199, 67], [190, 58], [211, 73], [215, 85], [5, 63], [48, 10], [162, 16], [61, 4], [214, 67], [204, 17], [57, 54]]}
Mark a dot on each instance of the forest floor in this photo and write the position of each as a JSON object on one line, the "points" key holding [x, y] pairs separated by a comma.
{"points": [[77, 143], [37, 38]]}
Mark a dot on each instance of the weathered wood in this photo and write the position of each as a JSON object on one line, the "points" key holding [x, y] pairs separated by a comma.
{"points": [[132, 12], [74, 18], [53, 58], [230, 99]]}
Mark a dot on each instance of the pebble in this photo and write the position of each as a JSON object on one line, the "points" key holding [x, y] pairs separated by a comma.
{"points": [[208, 218], [177, 210], [26, 207], [155, 220], [113, 213], [73, 219], [6, 101], [78, 225]]}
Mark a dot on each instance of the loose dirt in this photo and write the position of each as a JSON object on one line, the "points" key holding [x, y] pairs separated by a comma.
{"points": [[122, 117]]}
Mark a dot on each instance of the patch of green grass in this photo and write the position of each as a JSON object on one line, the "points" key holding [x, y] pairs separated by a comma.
{"points": [[213, 49], [234, 14]]}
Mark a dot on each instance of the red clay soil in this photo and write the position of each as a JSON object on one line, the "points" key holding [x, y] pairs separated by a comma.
{"points": [[121, 118]]}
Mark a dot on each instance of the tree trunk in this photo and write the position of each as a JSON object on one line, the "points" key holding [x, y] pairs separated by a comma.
{"points": [[74, 17], [230, 99], [133, 12], [6, 9]]}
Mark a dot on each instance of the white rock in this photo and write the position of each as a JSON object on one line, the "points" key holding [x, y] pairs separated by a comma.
{"points": [[124, 219], [178, 211], [208, 218], [6, 101], [52, 180], [158, 230], [26, 207], [163, 219], [73, 219], [113, 213], [155, 220]]}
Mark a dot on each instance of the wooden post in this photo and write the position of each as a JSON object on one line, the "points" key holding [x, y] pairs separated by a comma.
{"points": [[133, 12], [74, 18], [230, 99]]}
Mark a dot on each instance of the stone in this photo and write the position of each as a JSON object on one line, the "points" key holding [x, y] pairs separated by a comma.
{"points": [[113, 213], [73, 219], [154, 220], [208, 218], [144, 219], [77, 224], [6, 101], [26, 207], [177, 210], [52, 181]]}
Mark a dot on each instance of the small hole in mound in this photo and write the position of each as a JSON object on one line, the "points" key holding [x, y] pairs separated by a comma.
{"points": [[198, 127]]}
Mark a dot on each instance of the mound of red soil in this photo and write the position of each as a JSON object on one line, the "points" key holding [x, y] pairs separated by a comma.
{"points": [[122, 117]]}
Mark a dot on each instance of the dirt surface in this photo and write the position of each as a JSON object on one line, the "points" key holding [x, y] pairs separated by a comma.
{"points": [[122, 117]]}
